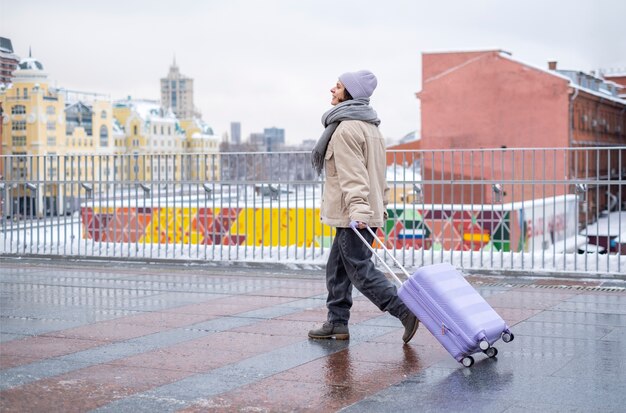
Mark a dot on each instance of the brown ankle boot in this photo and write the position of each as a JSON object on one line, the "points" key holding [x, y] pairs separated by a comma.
{"points": [[330, 330], [410, 324]]}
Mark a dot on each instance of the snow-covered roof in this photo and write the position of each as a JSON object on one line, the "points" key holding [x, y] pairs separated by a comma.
{"points": [[30, 63], [569, 76], [399, 173], [29, 69], [410, 137], [148, 110], [203, 136], [78, 106], [204, 127]]}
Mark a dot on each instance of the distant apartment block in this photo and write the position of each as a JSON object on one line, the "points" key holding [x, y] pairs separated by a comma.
{"points": [[257, 138], [274, 138], [8, 61], [235, 133], [177, 94]]}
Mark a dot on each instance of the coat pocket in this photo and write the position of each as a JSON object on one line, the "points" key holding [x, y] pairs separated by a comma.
{"points": [[333, 202], [329, 162]]}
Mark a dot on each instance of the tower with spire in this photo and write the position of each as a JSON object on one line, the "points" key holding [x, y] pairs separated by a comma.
{"points": [[177, 93]]}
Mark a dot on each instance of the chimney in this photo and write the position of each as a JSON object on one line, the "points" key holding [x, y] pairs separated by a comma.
{"points": [[552, 65]]}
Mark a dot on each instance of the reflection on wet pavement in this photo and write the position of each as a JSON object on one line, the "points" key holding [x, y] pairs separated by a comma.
{"points": [[109, 339]]}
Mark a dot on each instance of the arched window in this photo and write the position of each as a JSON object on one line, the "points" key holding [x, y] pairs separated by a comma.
{"points": [[104, 136]]}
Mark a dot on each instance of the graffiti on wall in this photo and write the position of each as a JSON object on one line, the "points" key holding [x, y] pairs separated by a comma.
{"points": [[405, 227]]}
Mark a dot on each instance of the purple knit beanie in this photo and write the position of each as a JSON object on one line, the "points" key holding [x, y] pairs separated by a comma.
{"points": [[359, 84]]}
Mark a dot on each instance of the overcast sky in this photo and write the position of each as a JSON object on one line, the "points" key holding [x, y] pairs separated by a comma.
{"points": [[272, 62]]}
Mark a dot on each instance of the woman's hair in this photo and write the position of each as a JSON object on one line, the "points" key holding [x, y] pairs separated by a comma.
{"points": [[346, 95]]}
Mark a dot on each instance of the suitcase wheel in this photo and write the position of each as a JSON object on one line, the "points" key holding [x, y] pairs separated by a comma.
{"points": [[467, 361], [507, 336], [484, 345], [491, 352]]}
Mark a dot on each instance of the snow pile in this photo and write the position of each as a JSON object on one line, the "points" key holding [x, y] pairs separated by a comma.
{"points": [[66, 240]]}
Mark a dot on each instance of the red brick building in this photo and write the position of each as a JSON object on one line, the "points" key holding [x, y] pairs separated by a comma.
{"points": [[487, 99]]}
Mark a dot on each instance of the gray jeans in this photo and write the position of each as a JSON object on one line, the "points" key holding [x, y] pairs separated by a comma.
{"points": [[350, 264]]}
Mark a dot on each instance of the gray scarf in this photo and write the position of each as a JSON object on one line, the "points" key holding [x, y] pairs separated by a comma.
{"points": [[354, 109]]}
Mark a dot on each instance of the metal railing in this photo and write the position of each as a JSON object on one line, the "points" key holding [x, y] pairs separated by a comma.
{"points": [[539, 210]]}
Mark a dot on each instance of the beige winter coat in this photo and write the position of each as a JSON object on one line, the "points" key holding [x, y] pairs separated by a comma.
{"points": [[356, 187]]}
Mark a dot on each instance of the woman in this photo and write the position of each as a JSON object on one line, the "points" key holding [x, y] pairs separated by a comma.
{"points": [[351, 151]]}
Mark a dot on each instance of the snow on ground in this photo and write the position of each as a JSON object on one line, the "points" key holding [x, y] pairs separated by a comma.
{"points": [[62, 237]]}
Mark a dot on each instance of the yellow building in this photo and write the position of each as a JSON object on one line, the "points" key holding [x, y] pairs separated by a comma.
{"points": [[202, 145], [66, 146], [154, 141], [160, 148], [47, 133]]}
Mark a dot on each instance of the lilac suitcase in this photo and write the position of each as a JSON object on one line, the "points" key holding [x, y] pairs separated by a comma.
{"points": [[451, 309], [454, 312]]}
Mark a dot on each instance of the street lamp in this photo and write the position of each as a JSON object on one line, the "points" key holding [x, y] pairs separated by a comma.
{"points": [[418, 194], [32, 202], [498, 192], [581, 194], [88, 188], [145, 188]]}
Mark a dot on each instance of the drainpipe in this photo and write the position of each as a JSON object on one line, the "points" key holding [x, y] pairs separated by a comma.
{"points": [[572, 173], [571, 116], [621, 122]]}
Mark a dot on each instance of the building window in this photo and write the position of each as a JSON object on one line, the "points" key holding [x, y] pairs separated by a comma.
{"points": [[134, 129], [103, 114], [18, 140], [18, 110], [19, 125], [104, 136], [51, 125], [25, 93], [50, 110], [52, 140], [19, 168]]}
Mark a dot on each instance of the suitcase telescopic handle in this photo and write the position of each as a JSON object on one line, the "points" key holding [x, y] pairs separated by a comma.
{"points": [[353, 226]]}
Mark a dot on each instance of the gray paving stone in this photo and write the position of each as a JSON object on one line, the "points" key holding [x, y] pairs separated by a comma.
{"points": [[567, 357]]}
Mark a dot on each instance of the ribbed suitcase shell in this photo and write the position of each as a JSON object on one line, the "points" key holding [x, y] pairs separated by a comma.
{"points": [[451, 309]]}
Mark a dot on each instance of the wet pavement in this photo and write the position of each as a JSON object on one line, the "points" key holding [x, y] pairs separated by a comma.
{"points": [[106, 337]]}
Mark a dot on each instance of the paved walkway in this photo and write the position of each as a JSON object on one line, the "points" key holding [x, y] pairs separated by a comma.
{"points": [[104, 337]]}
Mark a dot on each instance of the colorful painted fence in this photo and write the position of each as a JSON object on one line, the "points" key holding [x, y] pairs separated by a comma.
{"points": [[205, 226], [510, 227]]}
